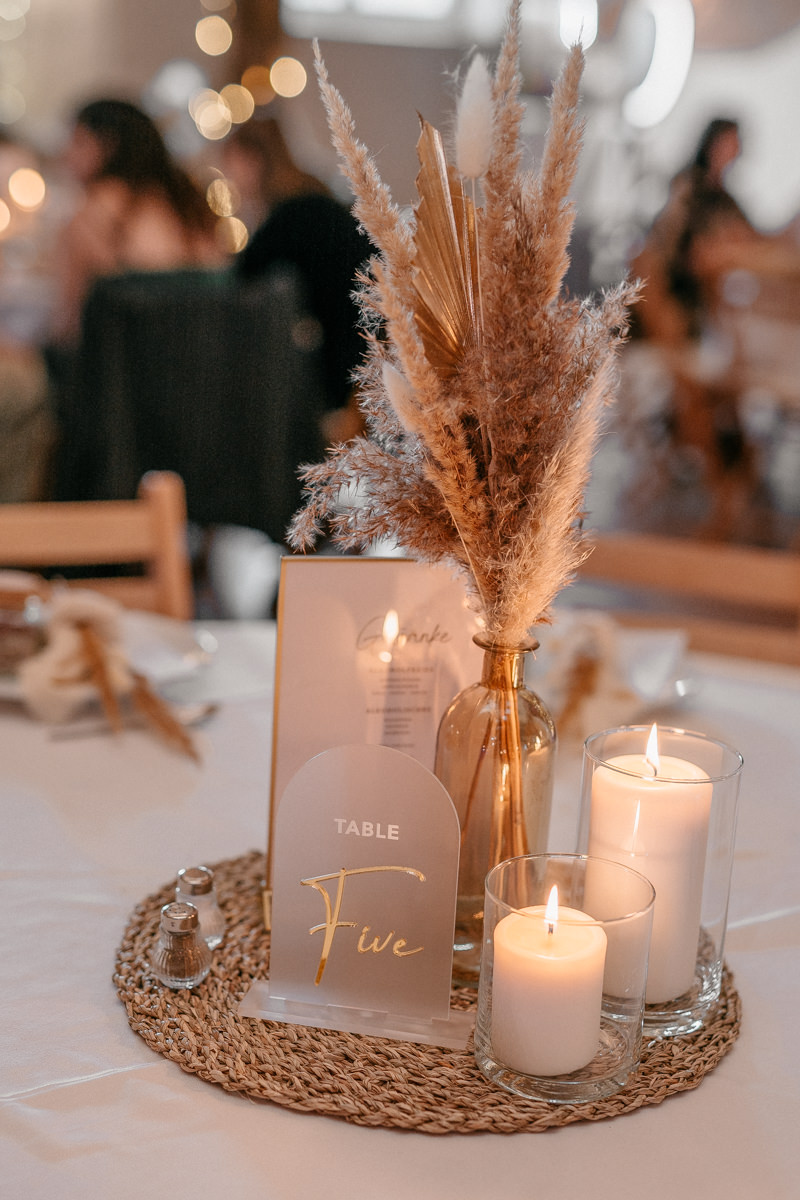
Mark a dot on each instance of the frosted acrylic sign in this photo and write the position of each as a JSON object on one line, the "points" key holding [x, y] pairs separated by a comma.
{"points": [[363, 907]]}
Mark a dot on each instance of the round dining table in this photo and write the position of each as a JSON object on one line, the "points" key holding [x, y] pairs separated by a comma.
{"points": [[93, 823]]}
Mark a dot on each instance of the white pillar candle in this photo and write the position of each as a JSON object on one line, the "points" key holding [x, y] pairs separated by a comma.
{"points": [[547, 991], [655, 819]]}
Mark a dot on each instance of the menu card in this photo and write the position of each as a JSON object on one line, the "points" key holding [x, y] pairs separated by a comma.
{"points": [[370, 650]]}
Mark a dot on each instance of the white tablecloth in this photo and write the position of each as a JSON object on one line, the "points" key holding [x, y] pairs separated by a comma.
{"points": [[92, 826]]}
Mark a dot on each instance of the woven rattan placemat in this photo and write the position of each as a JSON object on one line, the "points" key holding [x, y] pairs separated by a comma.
{"points": [[365, 1080]]}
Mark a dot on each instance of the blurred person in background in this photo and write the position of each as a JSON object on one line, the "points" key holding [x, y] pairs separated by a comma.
{"points": [[139, 210], [303, 226], [700, 235], [257, 162]]}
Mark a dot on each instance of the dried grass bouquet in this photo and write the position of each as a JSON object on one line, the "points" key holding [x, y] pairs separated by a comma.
{"points": [[483, 385]]}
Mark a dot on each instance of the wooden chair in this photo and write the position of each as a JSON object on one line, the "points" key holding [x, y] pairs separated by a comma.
{"points": [[730, 599], [150, 530]]}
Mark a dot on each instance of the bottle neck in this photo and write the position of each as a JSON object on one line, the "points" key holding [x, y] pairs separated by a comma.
{"points": [[504, 666]]}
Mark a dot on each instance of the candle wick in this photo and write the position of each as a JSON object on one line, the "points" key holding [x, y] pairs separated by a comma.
{"points": [[551, 927]]}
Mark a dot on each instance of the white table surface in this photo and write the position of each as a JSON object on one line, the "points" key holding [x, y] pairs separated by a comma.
{"points": [[92, 826]]}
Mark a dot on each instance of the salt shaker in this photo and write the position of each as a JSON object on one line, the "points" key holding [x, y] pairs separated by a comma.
{"points": [[180, 957], [196, 886]]}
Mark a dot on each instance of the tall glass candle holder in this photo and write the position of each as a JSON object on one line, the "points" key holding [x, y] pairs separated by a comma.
{"points": [[563, 974], [665, 804]]}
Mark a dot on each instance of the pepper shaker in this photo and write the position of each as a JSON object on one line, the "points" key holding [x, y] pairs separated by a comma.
{"points": [[180, 957], [196, 886]]}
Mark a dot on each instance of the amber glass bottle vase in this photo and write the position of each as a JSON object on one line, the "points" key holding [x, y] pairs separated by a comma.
{"points": [[495, 754]]}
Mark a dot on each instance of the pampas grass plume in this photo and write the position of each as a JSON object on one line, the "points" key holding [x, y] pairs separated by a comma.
{"points": [[481, 465], [401, 397], [474, 125]]}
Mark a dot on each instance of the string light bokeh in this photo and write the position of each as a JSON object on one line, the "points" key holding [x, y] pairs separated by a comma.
{"points": [[194, 113], [216, 112]]}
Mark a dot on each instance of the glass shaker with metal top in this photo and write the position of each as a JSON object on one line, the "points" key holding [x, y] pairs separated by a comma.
{"points": [[180, 957], [196, 886]]}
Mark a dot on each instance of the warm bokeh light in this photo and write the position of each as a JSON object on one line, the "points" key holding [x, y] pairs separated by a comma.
{"points": [[200, 98], [210, 114], [215, 6], [26, 188], [213, 123], [213, 35], [288, 77], [231, 234], [256, 80], [222, 198], [5, 217], [240, 102]]}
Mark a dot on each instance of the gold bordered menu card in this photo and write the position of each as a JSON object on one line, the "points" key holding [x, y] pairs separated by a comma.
{"points": [[364, 885], [369, 650]]}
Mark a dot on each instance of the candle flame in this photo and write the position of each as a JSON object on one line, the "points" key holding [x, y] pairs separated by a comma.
{"points": [[391, 628], [651, 755], [551, 909]]}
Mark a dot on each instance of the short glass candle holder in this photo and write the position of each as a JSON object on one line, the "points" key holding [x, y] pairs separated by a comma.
{"points": [[563, 974], [665, 804]]}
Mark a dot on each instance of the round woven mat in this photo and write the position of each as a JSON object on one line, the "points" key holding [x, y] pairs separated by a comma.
{"points": [[365, 1080]]}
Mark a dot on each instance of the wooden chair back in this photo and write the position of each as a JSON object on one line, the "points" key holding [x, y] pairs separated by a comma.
{"points": [[150, 530], [730, 599]]}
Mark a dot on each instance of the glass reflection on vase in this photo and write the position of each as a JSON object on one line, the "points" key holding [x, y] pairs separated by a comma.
{"points": [[495, 754]]}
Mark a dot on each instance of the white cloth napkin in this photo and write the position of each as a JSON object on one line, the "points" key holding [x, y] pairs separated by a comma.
{"points": [[56, 683], [594, 674]]}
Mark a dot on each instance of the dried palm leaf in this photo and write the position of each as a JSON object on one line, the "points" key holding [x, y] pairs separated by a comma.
{"points": [[97, 669], [445, 266], [159, 716]]}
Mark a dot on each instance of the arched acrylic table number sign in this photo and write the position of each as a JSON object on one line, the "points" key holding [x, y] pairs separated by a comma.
{"points": [[364, 886]]}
